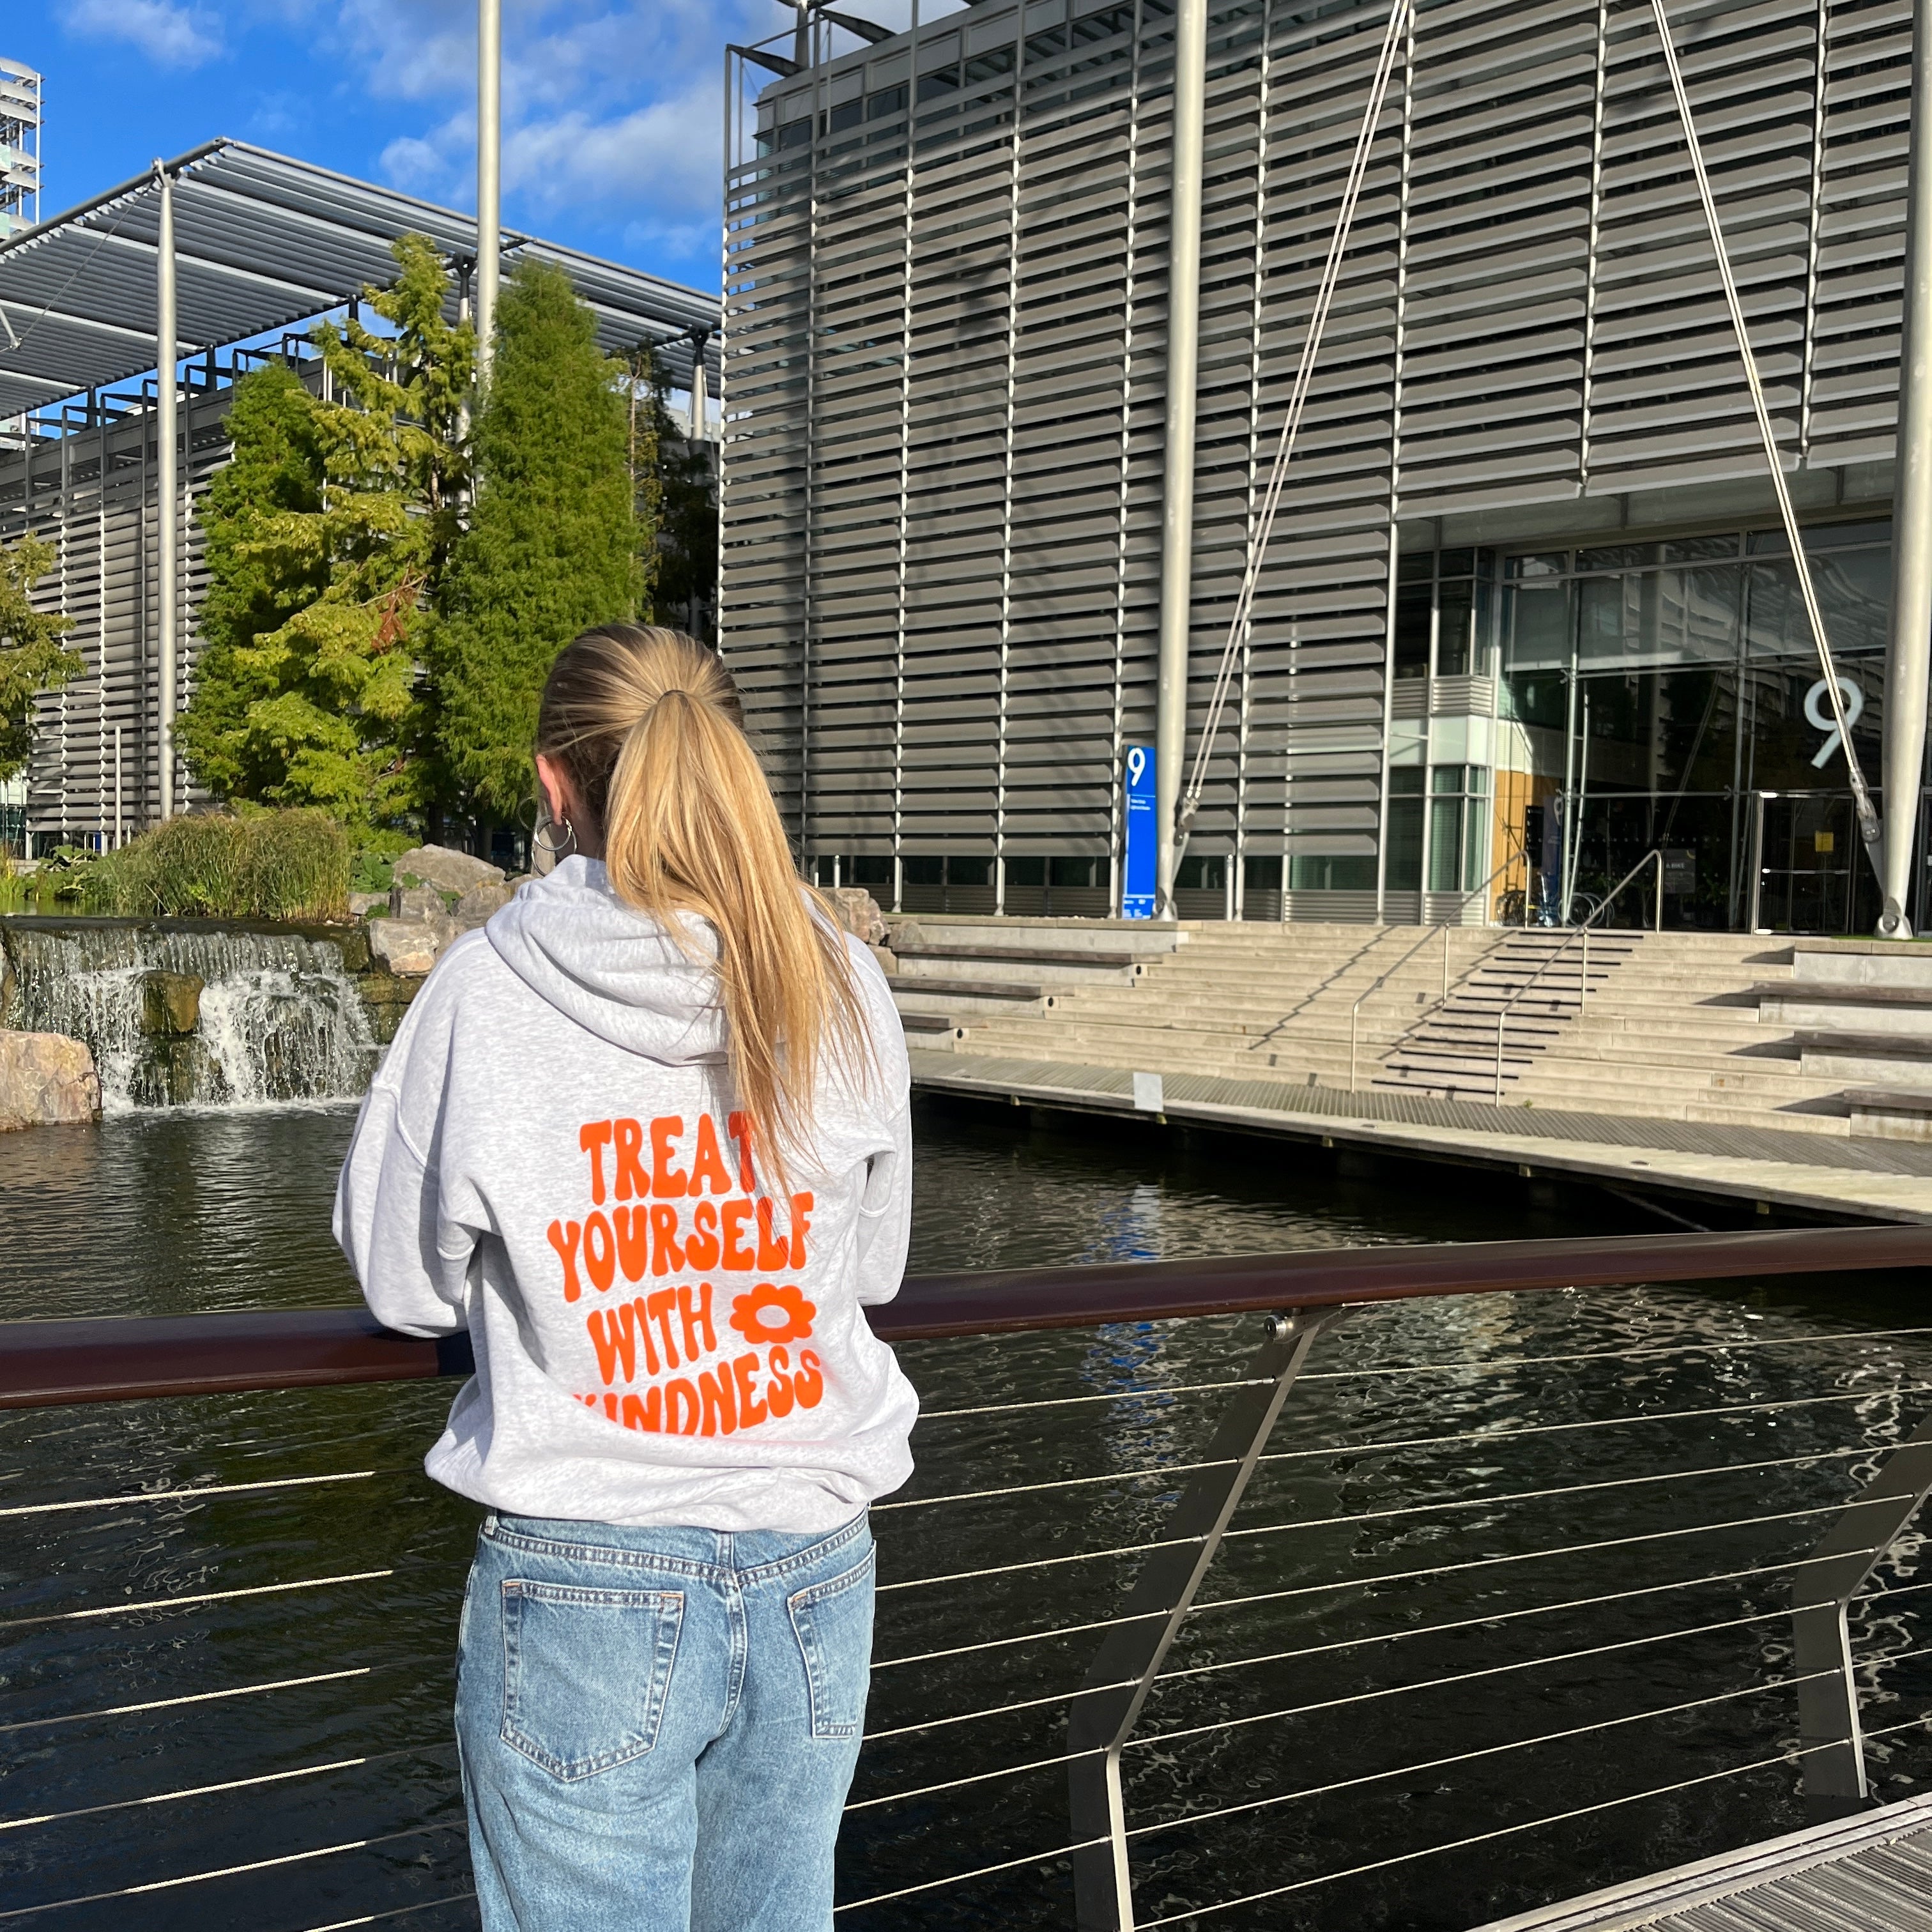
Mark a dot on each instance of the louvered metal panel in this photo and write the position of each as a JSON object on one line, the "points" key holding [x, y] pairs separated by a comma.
{"points": [[945, 371]]}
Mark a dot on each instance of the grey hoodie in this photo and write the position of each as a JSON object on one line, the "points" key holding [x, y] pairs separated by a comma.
{"points": [[551, 1157]]}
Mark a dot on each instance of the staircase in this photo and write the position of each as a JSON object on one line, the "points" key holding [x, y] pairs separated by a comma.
{"points": [[1516, 1005], [1671, 1027]]}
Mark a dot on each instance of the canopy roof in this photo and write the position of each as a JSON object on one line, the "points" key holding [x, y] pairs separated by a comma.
{"points": [[261, 241]]}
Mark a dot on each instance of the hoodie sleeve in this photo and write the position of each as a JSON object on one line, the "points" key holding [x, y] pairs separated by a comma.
{"points": [[885, 1206], [394, 1218]]}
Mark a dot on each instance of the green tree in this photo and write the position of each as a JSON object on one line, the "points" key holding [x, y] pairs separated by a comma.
{"points": [[328, 566], [257, 579], [552, 545], [32, 658]]}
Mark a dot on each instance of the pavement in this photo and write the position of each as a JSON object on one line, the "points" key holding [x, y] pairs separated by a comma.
{"points": [[1809, 1173]]}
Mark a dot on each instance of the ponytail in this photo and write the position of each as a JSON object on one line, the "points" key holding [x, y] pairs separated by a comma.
{"points": [[648, 724]]}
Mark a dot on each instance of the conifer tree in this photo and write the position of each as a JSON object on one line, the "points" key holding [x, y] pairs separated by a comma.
{"points": [[32, 658], [552, 545], [326, 580]]}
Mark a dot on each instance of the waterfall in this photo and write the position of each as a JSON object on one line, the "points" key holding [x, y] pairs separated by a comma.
{"points": [[279, 1018]]}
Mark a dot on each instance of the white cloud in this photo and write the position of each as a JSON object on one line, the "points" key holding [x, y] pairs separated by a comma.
{"points": [[170, 35], [660, 162]]}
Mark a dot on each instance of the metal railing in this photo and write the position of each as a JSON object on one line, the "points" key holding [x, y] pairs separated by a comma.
{"points": [[1354, 1011], [1581, 934], [1046, 1589]]}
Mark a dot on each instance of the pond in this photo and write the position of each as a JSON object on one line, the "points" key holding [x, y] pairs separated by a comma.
{"points": [[298, 1689]]}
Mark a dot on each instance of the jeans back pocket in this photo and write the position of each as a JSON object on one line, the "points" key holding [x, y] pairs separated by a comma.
{"points": [[585, 1672], [833, 1624]]}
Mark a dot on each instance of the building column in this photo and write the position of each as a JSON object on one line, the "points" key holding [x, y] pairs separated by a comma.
{"points": [[489, 178], [1909, 648], [1183, 357], [167, 508]]}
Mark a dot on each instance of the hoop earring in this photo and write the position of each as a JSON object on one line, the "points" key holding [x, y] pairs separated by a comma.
{"points": [[556, 851]]}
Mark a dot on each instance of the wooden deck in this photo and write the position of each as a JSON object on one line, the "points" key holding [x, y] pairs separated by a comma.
{"points": [[1870, 1873]]}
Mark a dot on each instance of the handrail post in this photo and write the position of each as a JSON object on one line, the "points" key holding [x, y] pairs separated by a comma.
{"points": [[1583, 978], [1656, 924], [1445, 964], [1821, 1590], [1103, 1714], [1352, 1012], [1502, 1013]]}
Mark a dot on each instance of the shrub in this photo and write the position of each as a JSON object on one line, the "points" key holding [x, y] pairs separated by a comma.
{"points": [[267, 865]]}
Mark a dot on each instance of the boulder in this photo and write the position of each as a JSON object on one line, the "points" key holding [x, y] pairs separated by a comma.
{"points": [[361, 905], [476, 905], [858, 913], [416, 902], [171, 1004], [408, 947], [447, 869], [46, 1080], [888, 964]]}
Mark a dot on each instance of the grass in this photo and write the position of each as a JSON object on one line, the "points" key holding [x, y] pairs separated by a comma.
{"points": [[266, 864]]}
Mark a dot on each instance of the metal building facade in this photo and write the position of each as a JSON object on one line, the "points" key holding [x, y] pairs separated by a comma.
{"points": [[945, 304]]}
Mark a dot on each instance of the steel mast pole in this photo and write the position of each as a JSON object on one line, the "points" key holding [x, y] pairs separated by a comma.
{"points": [[1183, 357], [489, 179], [1908, 658], [167, 508]]}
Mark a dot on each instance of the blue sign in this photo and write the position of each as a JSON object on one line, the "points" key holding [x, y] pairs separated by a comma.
{"points": [[1139, 867]]}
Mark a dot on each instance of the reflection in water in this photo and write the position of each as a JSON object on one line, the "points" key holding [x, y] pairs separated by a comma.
{"points": [[1435, 1517]]}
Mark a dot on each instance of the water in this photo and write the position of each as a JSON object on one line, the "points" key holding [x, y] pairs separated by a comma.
{"points": [[165, 1211], [279, 1018]]}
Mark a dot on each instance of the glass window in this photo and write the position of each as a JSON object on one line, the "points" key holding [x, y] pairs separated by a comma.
{"points": [[1617, 557], [1455, 563], [1695, 549], [925, 871], [1546, 563], [1537, 633], [1404, 871], [1026, 871], [969, 872], [1657, 617], [1415, 563], [1412, 610], [1264, 875], [1201, 874]]}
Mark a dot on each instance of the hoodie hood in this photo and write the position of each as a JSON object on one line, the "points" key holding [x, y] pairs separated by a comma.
{"points": [[612, 969]]}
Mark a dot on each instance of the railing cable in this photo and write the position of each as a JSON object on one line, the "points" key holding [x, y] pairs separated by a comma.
{"points": [[1792, 1756], [230, 1784], [231, 1871], [195, 1494], [200, 1596], [195, 1697]]}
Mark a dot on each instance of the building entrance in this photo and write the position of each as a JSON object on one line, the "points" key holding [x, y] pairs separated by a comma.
{"points": [[1666, 697]]}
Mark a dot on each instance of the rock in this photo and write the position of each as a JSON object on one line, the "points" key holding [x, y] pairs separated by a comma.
{"points": [[476, 905], [171, 1004], [46, 1080], [417, 902], [858, 913], [447, 869], [904, 933], [887, 963], [408, 947], [361, 905]]}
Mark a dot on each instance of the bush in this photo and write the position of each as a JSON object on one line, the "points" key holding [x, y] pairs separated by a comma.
{"points": [[267, 865]]}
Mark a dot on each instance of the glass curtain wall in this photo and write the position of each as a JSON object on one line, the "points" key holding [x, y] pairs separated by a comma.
{"points": [[1668, 687]]}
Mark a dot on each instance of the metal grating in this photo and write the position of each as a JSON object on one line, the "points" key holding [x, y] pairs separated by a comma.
{"points": [[945, 300], [1872, 1873]]}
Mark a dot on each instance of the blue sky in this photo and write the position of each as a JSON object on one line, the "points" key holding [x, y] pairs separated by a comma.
{"points": [[611, 120]]}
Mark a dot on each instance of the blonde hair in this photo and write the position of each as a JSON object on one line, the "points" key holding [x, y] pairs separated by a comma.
{"points": [[648, 724]]}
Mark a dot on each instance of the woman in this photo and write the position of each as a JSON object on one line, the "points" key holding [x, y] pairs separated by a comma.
{"points": [[645, 1137]]}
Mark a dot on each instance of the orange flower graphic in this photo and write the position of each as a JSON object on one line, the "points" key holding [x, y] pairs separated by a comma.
{"points": [[772, 1314]]}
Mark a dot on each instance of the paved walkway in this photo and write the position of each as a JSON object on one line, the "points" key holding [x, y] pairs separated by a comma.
{"points": [[1859, 1179]]}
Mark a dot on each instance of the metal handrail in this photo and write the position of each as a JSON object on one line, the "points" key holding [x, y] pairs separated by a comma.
{"points": [[1582, 932], [1303, 1294], [118, 1359], [1447, 928]]}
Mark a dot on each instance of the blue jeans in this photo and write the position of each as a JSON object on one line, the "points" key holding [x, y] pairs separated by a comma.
{"points": [[658, 1726]]}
